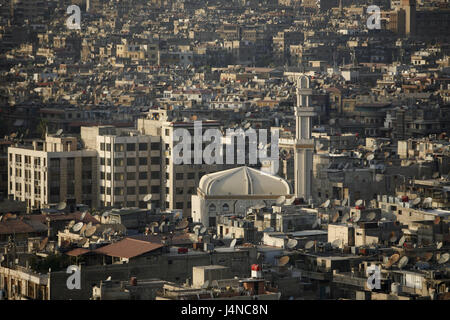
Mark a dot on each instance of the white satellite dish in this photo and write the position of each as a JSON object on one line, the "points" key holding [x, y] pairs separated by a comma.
{"points": [[371, 216], [147, 198], [427, 202], [309, 245], [62, 205], [283, 261], [77, 227], [289, 201], [370, 157], [316, 224], [416, 201], [444, 258], [280, 200], [83, 215], [403, 262], [439, 245], [247, 125], [292, 243], [90, 231], [59, 132], [248, 114], [71, 224], [379, 177], [327, 203], [345, 217], [356, 217], [203, 230], [233, 243], [336, 243], [359, 202], [344, 202]]}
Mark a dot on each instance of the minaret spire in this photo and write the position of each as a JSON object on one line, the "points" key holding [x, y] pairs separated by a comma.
{"points": [[304, 144]]}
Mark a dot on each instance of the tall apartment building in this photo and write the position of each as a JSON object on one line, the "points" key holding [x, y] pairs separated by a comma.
{"points": [[178, 181], [129, 165], [52, 171]]}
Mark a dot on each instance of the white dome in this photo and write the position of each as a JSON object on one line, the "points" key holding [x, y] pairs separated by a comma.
{"points": [[243, 181]]}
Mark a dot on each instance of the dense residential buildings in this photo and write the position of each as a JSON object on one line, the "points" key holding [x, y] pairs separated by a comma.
{"points": [[225, 150]]}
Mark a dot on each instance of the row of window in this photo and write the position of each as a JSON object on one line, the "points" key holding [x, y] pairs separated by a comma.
{"points": [[120, 147], [130, 175], [130, 161], [120, 191]]}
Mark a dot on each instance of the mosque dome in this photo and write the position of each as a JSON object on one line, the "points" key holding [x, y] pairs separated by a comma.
{"points": [[243, 181]]}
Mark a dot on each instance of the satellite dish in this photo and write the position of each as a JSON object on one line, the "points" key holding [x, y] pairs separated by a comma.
{"points": [[83, 215], [309, 245], [316, 224], [59, 132], [371, 216], [283, 261], [62, 205], [359, 202], [370, 157], [182, 225], [393, 237], [154, 224], [247, 125], [403, 262], [402, 241], [233, 243], [77, 227], [444, 258], [439, 245], [147, 198], [336, 243], [345, 217], [416, 201], [90, 231], [43, 244], [427, 256], [327, 203], [427, 202], [71, 224], [248, 114], [289, 201], [379, 177], [356, 217], [280, 200], [203, 230], [205, 285], [292, 243], [83, 229], [335, 217]]}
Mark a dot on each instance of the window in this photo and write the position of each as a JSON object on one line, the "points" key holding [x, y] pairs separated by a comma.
{"points": [[131, 161], [155, 189], [143, 190], [225, 207], [131, 175], [131, 147], [131, 190], [155, 175], [108, 147], [179, 190], [102, 146], [142, 146], [180, 176], [118, 147], [118, 191], [142, 175], [142, 161], [119, 176], [155, 160], [191, 175], [179, 205], [102, 161], [212, 207], [155, 146], [167, 131], [118, 162]]}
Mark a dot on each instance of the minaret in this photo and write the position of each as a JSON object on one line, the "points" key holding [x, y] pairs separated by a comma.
{"points": [[304, 144]]}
